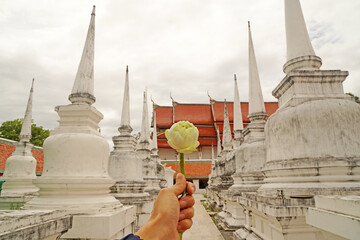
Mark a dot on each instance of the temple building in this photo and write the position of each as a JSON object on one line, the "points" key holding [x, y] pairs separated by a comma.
{"points": [[209, 119]]}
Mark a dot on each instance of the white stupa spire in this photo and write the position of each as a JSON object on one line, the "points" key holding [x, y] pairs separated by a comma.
{"points": [[25, 133], [145, 132], [154, 139], [125, 126], [219, 149], [227, 145], [212, 152], [238, 121], [256, 100], [297, 37], [212, 158], [300, 52], [83, 88]]}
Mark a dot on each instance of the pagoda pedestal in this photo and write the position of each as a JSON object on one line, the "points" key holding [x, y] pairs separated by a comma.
{"points": [[126, 168]]}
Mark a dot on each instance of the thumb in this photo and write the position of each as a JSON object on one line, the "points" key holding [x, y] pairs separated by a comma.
{"points": [[180, 185]]}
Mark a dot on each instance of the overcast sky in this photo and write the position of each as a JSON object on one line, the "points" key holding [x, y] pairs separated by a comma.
{"points": [[183, 46]]}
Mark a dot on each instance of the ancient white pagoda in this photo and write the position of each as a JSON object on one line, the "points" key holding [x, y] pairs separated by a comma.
{"points": [[75, 176], [144, 150], [126, 167], [20, 169]]}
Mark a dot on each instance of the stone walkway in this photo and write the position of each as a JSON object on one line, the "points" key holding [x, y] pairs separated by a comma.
{"points": [[203, 227]]}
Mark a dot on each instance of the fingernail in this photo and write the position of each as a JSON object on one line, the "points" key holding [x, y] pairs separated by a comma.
{"points": [[183, 204], [181, 217]]}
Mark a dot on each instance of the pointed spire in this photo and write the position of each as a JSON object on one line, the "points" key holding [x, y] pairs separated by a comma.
{"points": [[238, 122], [145, 132], [25, 133], [83, 88], [299, 48], [219, 149], [226, 131], [212, 152], [125, 126], [212, 157], [154, 139], [256, 101]]}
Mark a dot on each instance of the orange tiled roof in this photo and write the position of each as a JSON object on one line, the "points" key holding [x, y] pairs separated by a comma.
{"points": [[206, 117]]}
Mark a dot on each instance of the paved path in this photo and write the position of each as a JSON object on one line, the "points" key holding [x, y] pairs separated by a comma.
{"points": [[203, 227]]}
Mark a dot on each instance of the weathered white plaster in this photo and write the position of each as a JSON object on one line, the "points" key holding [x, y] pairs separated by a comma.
{"points": [[338, 217], [33, 224], [107, 225]]}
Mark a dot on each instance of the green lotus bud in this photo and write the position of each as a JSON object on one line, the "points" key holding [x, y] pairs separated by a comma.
{"points": [[183, 137]]}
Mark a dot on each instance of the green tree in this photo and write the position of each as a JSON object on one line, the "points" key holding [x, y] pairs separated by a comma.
{"points": [[11, 130], [354, 96]]}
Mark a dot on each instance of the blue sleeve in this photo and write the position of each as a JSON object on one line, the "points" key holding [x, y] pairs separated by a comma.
{"points": [[131, 237]]}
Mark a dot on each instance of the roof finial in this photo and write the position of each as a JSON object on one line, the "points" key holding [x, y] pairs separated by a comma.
{"points": [[125, 126], [25, 133], [300, 53], [256, 100], [83, 88]]}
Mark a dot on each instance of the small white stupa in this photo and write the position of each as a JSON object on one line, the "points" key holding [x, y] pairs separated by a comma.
{"points": [[20, 168], [160, 169], [250, 156], [125, 166], [144, 151]]}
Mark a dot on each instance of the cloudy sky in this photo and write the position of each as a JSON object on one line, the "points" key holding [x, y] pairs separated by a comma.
{"points": [[186, 47]]}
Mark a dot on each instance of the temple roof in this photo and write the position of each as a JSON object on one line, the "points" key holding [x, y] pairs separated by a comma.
{"points": [[206, 117]]}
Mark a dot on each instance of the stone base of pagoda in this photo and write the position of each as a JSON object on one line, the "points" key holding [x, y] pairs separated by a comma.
{"points": [[105, 226], [132, 193]]}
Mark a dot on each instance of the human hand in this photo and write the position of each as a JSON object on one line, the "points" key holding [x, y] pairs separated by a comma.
{"points": [[170, 215]]}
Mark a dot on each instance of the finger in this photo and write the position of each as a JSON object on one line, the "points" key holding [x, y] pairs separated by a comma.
{"points": [[187, 213], [184, 225], [187, 202], [190, 188], [180, 185]]}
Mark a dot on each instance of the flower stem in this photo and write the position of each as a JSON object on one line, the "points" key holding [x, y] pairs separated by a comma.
{"points": [[182, 170]]}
